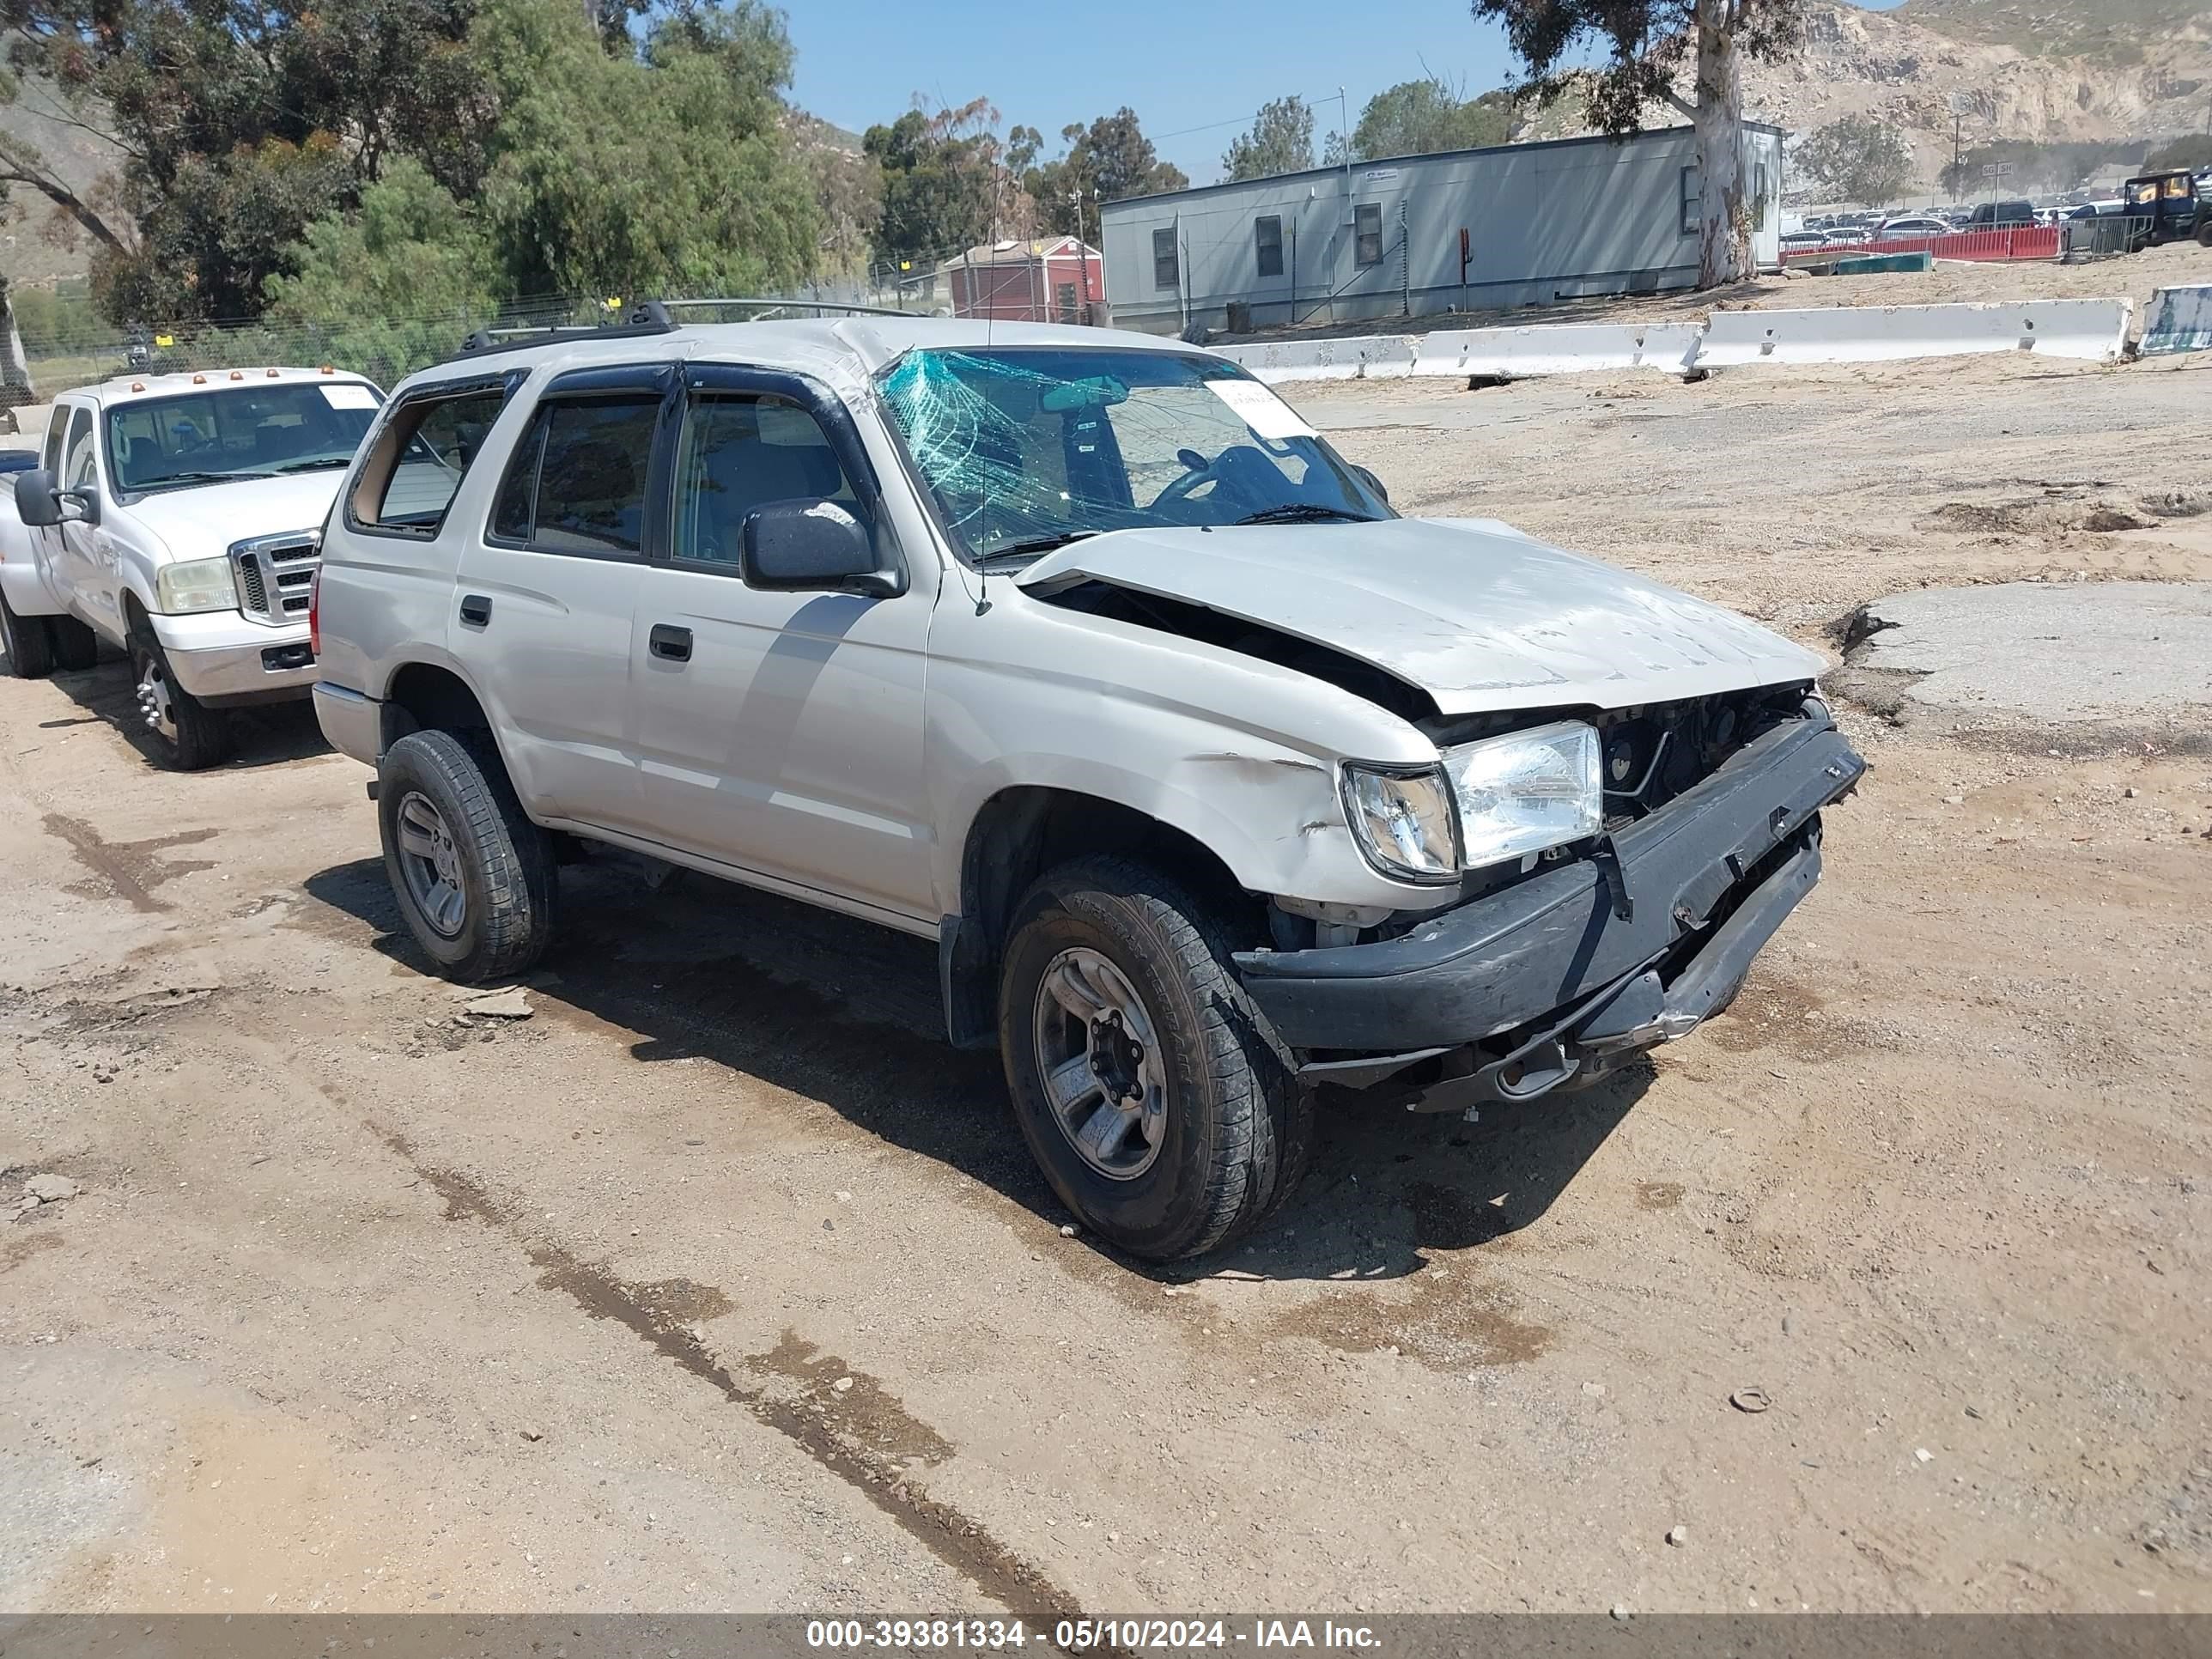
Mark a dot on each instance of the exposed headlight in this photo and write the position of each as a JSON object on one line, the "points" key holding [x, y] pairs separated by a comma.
{"points": [[1521, 793], [195, 584], [1403, 822]]}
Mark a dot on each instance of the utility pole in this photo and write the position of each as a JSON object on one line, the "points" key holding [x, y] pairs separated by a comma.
{"points": [[1344, 137]]}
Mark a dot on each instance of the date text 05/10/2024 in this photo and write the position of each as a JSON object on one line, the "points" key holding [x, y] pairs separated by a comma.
{"points": [[1087, 1635]]}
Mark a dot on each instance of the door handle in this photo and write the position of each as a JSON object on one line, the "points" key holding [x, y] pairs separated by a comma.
{"points": [[669, 643], [475, 610]]}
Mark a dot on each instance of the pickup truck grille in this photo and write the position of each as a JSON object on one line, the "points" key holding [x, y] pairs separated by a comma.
{"points": [[275, 574]]}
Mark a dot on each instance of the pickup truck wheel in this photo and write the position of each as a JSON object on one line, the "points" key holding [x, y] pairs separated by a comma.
{"points": [[1160, 1105], [474, 877], [76, 648], [185, 735], [29, 641]]}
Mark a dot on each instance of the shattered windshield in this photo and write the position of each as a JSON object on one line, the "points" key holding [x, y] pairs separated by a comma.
{"points": [[1025, 448]]}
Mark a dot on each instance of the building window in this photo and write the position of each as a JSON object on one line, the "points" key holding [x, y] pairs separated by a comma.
{"points": [[1164, 272], [1693, 194], [1268, 244], [1758, 197], [1064, 297], [1367, 234]]}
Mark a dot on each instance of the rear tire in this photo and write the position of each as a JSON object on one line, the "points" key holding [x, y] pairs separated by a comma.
{"points": [[1117, 988], [76, 648], [29, 641], [474, 877], [185, 735]]}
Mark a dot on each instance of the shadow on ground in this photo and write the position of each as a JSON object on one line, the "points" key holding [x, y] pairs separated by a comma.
{"points": [[847, 1014], [268, 734]]}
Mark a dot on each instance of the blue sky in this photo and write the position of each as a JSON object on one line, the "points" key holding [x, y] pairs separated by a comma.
{"points": [[1179, 65]]}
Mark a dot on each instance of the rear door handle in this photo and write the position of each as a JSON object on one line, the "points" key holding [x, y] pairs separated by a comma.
{"points": [[475, 610], [669, 643]]}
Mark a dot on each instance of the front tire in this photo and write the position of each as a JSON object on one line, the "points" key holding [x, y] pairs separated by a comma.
{"points": [[185, 735], [29, 641], [474, 877], [1158, 1102]]}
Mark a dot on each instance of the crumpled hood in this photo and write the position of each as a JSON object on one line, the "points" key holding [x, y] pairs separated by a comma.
{"points": [[1471, 611], [202, 522]]}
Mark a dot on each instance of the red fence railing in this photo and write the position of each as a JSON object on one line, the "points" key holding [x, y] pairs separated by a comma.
{"points": [[2017, 242]]}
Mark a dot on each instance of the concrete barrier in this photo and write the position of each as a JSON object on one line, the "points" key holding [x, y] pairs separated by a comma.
{"points": [[1359, 357], [1560, 348], [2180, 320], [2095, 330]]}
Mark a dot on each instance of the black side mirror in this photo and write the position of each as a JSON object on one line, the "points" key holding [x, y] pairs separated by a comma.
{"points": [[1373, 484], [808, 546], [40, 504]]}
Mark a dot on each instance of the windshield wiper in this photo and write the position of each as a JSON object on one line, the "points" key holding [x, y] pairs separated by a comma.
{"points": [[313, 463], [168, 479], [1036, 544], [1304, 513]]}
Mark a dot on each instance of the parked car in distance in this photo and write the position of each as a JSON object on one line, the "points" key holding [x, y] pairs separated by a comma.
{"points": [[1803, 241], [179, 518], [18, 460], [1082, 654], [2172, 206], [2001, 215], [1906, 226]]}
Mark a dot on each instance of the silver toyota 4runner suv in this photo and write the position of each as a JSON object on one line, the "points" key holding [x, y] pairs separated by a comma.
{"points": [[1082, 653]]}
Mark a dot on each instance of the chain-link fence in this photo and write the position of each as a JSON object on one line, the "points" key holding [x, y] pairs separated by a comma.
{"points": [[77, 351]]}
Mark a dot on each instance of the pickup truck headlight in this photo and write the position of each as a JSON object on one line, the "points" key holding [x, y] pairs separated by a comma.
{"points": [[1402, 821], [195, 584], [1528, 791]]}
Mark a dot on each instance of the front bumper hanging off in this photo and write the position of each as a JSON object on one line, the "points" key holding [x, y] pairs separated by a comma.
{"points": [[1560, 977]]}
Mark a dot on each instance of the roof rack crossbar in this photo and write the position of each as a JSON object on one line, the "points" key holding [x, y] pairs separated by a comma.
{"points": [[646, 317], [780, 303]]}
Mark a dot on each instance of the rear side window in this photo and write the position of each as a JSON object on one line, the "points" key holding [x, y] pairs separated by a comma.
{"points": [[577, 482], [419, 457]]}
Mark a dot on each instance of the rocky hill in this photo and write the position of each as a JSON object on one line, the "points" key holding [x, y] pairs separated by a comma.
{"points": [[2123, 72]]}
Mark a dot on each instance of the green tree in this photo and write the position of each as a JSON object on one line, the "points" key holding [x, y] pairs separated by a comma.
{"points": [[1856, 158], [1426, 117], [394, 285], [1280, 141], [667, 170], [947, 181], [238, 126], [1642, 45], [1109, 161]]}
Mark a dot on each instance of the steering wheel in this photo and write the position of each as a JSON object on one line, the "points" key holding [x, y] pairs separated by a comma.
{"points": [[1197, 470]]}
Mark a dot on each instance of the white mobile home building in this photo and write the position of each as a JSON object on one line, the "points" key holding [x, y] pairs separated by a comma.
{"points": [[1518, 224]]}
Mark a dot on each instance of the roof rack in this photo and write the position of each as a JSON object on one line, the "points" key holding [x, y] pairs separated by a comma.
{"points": [[772, 304], [646, 317]]}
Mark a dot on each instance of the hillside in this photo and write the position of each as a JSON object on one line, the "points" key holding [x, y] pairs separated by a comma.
{"points": [[1942, 70], [2117, 32], [40, 119]]}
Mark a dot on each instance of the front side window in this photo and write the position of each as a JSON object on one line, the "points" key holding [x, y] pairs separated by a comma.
{"points": [[1023, 449], [419, 457], [1367, 226], [80, 468], [1166, 269], [237, 432], [1268, 245], [739, 454], [577, 482]]}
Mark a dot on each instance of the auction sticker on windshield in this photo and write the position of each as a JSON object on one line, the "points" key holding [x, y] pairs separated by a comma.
{"points": [[1261, 409], [349, 396]]}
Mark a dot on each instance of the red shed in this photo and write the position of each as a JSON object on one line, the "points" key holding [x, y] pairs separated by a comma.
{"points": [[1046, 280]]}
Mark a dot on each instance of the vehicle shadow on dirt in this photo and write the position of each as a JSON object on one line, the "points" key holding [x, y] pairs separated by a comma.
{"points": [[269, 735], [847, 1014]]}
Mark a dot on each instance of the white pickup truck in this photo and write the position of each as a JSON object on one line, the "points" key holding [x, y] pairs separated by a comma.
{"points": [[179, 517]]}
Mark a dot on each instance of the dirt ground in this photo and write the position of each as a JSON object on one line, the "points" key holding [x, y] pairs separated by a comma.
{"points": [[720, 1283], [2134, 276]]}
